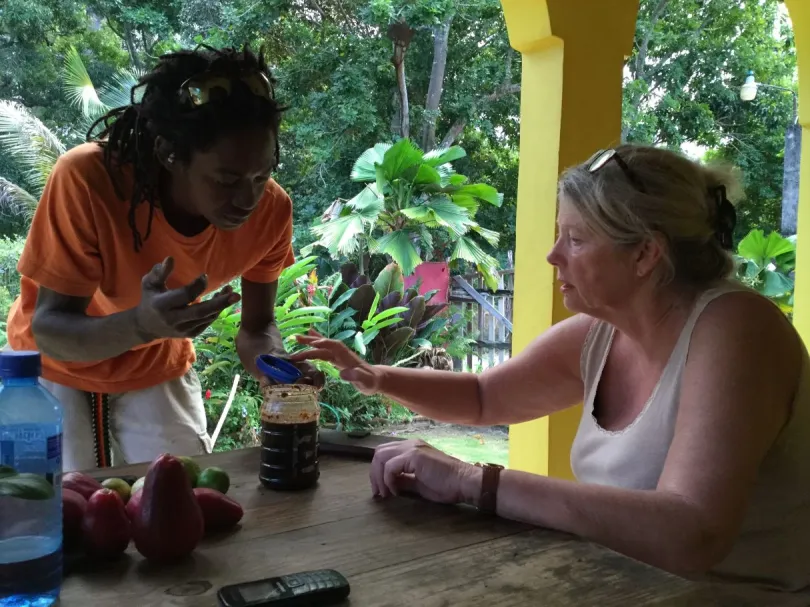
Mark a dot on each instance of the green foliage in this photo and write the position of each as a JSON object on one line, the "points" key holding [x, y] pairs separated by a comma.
{"points": [[218, 362], [413, 201], [332, 62], [381, 320], [348, 409], [454, 336], [689, 60], [34, 148], [10, 251], [766, 263]]}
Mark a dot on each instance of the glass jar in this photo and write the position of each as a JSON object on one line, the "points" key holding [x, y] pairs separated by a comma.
{"points": [[289, 436]]}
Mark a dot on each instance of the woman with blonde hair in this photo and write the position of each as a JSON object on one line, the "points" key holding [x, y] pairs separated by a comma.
{"points": [[692, 452]]}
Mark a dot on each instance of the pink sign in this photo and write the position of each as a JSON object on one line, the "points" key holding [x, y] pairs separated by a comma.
{"points": [[434, 275]]}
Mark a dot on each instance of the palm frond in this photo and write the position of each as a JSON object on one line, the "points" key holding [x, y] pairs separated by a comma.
{"points": [[31, 144], [117, 92], [16, 201], [340, 236], [364, 168], [79, 88]]}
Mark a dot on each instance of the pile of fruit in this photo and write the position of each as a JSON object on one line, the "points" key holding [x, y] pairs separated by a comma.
{"points": [[166, 513]]}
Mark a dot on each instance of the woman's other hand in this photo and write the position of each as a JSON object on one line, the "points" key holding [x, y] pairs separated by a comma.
{"points": [[353, 369], [416, 467]]}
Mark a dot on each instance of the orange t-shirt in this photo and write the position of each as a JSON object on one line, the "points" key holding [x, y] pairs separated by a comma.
{"points": [[80, 244]]}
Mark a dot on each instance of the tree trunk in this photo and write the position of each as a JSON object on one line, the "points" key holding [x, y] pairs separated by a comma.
{"points": [[129, 42], [441, 35], [396, 114], [507, 87], [404, 110], [455, 131], [401, 34]]}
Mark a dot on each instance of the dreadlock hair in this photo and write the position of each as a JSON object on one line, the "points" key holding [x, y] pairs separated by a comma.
{"points": [[128, 133]]}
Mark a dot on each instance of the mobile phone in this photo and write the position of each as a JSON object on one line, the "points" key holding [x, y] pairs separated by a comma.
{"points": [[307, 588]]}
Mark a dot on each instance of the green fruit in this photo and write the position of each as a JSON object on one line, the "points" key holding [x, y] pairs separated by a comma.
{"points": [[192, 469], [214, 478], [137, 485], [120, 486], [26, 486]]}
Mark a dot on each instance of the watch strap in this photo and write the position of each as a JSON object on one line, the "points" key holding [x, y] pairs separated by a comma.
{"points": [[491, 474]]}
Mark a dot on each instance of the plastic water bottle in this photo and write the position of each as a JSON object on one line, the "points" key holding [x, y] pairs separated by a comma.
{"points": [[30, 485]]}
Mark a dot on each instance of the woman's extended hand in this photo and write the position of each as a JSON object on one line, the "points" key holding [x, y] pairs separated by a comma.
{"points": [[416, 467], [353, 369]]}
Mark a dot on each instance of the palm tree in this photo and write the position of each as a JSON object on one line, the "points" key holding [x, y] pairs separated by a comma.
{"points": [[35, 148], [414, 203]]}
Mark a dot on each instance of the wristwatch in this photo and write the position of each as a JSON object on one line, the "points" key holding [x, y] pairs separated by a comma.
{"points": [[488, 501]]}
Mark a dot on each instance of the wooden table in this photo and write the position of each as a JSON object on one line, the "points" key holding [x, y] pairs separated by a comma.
{"points": [[395, 552]]}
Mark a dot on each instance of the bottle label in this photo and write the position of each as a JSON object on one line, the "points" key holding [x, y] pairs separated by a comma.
{"points": [[54, 473], [28, 448]]}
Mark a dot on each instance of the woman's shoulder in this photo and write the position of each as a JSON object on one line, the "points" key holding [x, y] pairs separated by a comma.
{"points": [[735, 313], [731, 298]]}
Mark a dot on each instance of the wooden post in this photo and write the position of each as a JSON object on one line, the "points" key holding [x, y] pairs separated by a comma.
{"points": [[571, 105], [800, 16]]}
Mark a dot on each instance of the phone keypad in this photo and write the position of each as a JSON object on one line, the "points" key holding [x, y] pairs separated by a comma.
{"points": [[313, 581]]}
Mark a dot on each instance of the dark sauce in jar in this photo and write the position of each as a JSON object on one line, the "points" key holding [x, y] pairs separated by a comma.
{"points": [[289, 437]]}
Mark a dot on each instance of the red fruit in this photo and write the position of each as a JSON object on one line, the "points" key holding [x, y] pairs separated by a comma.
{"points": [[82, 484], [219, 511], [134, 504], [105, 525], [73, 508], [168, 524]]}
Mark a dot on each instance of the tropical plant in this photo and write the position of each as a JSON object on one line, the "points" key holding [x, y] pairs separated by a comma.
{"points": [[81, 92], [350, 410], [35, 148], [767, 263], [414, 204], [382, 320], [216, 347], [218, 361]]}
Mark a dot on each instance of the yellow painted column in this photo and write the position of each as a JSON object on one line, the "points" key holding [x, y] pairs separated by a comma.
{"points": [[573, 54], [800, 16]]}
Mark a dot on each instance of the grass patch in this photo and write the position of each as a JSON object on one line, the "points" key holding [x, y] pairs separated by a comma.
{"points": [[468, 448]]}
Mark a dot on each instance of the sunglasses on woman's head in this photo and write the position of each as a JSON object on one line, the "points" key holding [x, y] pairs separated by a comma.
{"points": [[602, 157], [201, 89]]}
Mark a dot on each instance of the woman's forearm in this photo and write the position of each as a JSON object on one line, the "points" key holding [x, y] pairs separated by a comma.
{"points": [[655, 527], [79, 338], [444, 396]]}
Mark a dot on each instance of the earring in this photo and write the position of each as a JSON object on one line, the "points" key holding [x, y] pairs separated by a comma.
{"points": [[171, 158]]}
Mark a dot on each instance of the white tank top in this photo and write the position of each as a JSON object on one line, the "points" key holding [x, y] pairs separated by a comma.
{"points": [[773, 549]]}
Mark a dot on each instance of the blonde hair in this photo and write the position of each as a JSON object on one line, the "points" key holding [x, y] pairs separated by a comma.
{"points": [[678, 200]]}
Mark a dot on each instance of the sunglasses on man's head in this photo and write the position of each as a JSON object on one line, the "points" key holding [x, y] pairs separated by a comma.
{"points": [[602, 157], [203, 88]]}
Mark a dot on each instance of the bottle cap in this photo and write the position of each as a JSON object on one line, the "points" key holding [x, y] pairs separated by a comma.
{"points": [[20, 364]]}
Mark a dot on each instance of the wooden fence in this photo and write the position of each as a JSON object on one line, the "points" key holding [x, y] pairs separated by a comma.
{"points": [[486, 317]]}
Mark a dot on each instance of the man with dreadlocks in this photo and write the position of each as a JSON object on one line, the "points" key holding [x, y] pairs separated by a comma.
{"points": [[171, 201]]}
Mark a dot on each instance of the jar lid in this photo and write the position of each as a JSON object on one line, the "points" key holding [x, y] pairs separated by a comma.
{"points": [[278, 369]]}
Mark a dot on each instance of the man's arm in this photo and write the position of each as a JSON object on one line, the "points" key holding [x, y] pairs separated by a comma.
{"points": [[258, 333], [63, 331]]}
